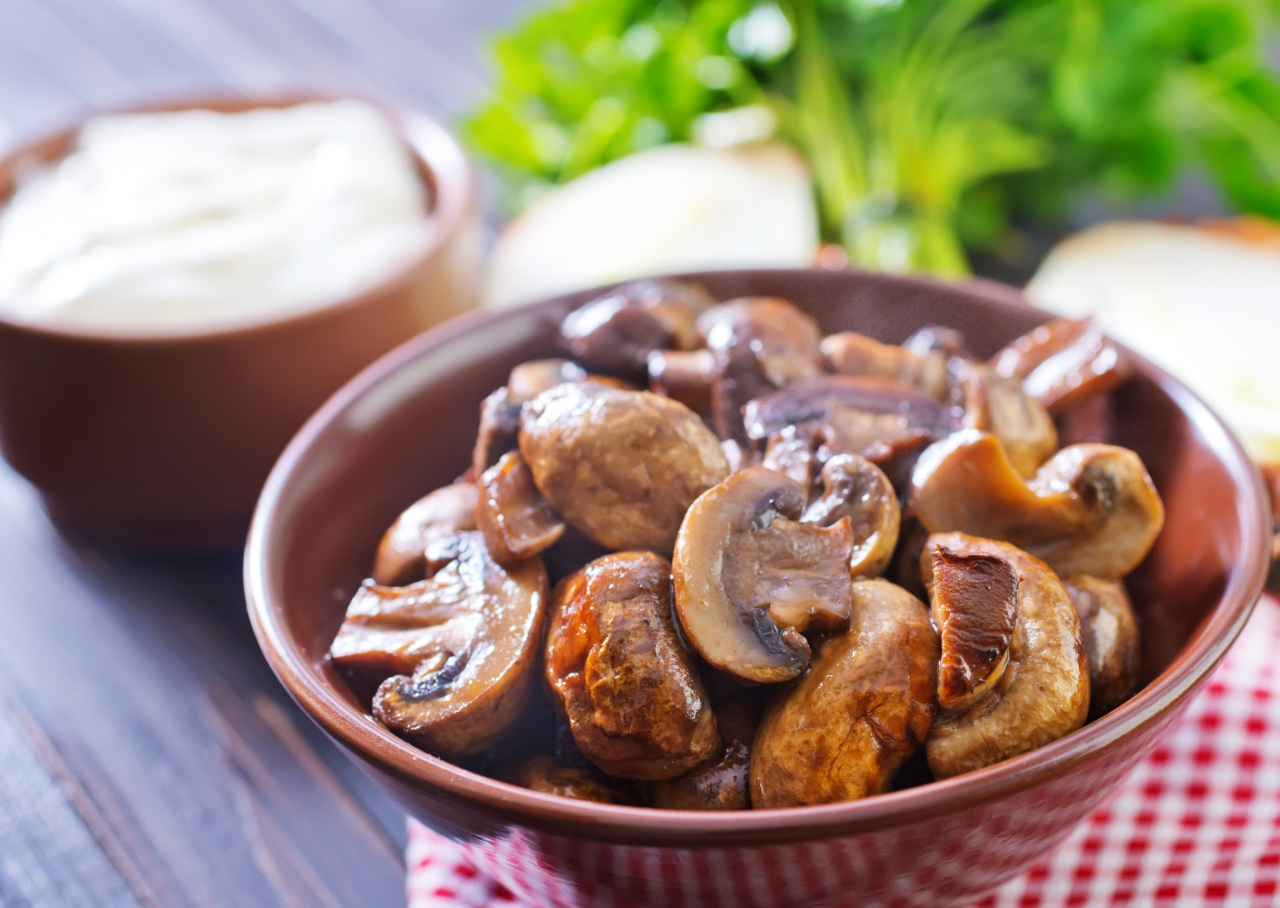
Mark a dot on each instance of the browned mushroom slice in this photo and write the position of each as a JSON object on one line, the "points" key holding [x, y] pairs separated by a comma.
{"points": [[1042, 694], [750, 578], [867, 703], [401, 554], [685, 376], [850, 353], [546, 774], [999, 406], [794, 453], [515, 519], [458, 651], [1062, 363], [855, 488], [975, 605], [616, 332], [621, 466], [1092, 509], [783, 338], [721, 782], [937, 339], [1109, 630], [621, 676]]}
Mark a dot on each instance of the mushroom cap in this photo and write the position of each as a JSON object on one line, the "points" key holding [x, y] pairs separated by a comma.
{"points": [[1042, 695], [784, 339], [1091, 509], [1112, 643], [619, 673], [458, 651], [621, 466], [401, 553], [1000, 406], [850, 353], [686, 376], [548, 775], [719, 783], [867, 703], [855, 488], [749, 578], [974, 599], [529, 379], [616, 332], [515, 519], [1063, 362]]}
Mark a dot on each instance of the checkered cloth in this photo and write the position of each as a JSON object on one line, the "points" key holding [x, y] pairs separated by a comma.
{"points": [[1198, 822]]}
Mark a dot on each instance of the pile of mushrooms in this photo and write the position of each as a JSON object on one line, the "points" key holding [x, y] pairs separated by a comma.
{"points": [[751, 566]]}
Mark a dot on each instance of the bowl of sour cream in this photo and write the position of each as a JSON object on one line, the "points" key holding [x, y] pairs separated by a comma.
{"points": [[181, 288]]}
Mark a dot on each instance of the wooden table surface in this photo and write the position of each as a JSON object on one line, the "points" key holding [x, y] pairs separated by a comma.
{"points": [[147, 754]]}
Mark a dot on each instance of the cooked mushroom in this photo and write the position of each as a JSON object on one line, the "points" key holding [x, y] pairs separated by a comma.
{"points": [[616, 332], [937, 339], [684, 375], [855, 488], [621, 466], [1062, 363], [999, 406], [1109, 630], [750, 578], [546, 774], [850, 353], [759, 344], [867, 703], [401, 554], [738, 456], [621, 676], [458, 651], [974, 598], [500, 411], [794, 452], [721, 782], [1092, 509], [1042, 694], [515, 519], [529, 379]]}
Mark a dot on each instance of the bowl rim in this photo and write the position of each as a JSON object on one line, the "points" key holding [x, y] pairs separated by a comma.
{"points": [[641, 825], [449, 177]]}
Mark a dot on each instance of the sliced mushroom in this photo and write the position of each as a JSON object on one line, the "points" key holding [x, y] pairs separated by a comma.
{"points": [[621, 466], [1062, 363], [999, 406], [401, 554], [621, 676], [616, 332], [1109, 630], [749, 578], [857, 489], [850, 353], [937, 339], [684, 375], [1092, 509], [794, 452], [515, 519], [721, 782], [974, 598], [546, 774], [867, 704], [457, 651], [1043, 692], [759, 344]]}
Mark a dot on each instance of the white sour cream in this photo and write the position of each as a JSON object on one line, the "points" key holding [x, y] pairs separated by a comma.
{"points": [[195, 220]]}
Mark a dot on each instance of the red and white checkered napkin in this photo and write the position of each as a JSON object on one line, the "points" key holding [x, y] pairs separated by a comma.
{"points": [[1198, 823]]}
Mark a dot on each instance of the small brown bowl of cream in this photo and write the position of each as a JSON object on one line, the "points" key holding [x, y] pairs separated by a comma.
{"points": [[181, 287]]}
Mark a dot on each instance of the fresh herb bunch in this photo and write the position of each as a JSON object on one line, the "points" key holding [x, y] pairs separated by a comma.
{"points": [[930, 126]]}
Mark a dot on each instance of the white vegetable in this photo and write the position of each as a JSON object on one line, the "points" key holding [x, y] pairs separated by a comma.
{"points": [[1202, 302], [673, 208]]}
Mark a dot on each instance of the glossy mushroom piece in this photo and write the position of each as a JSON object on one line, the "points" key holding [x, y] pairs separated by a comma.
{"points": [[974, 600], [515, 519], [1092, 509], [548, 775], [720, 783], [619, 673], [1000, 406], [850, 353], [750, 578], [621, 466], [500, 411], [866, 705], [855, 488], [1109, 630], [1043, 692], [401, 556], [458, 651], [1062, 363], [616, 332]]}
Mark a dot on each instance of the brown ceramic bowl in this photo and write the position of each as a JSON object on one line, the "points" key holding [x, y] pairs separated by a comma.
{"points": [[405, 426], [164, 441]]}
